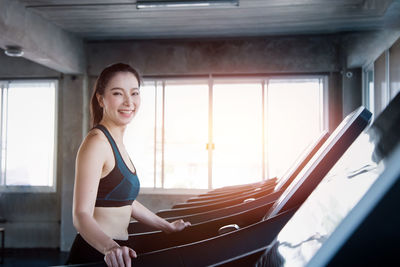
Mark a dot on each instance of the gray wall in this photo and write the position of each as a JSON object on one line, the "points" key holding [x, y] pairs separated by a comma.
{"points": [[302, 54]]}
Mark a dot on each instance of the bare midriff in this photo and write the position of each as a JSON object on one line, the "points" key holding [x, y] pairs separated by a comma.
{"points": [[114, 221]]}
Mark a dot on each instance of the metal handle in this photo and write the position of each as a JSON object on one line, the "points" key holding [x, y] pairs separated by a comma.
{"points": [[228, 228]]}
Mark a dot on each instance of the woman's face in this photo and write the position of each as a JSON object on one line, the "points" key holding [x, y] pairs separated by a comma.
{"points": [[121, 99]]}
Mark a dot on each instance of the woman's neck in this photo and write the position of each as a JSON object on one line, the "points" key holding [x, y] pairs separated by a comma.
{"points": [[116, 131]]}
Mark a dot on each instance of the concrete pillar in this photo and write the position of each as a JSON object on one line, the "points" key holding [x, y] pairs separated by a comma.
{"points": [[72, 127], [352, 90]]}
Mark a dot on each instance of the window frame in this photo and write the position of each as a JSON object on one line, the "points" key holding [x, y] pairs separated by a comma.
{"points": [[368, 99], [211, 80], [32, 188]]}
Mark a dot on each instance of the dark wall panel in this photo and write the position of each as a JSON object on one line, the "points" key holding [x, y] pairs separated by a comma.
{"points": [[394, 74], [351, 90]]}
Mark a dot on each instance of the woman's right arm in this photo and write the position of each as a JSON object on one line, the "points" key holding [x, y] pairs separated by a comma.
{"points": [[89, 165]]}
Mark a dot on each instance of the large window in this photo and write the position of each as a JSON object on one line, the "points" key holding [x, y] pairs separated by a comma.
{"points": [[199, 134], [237, 133], [185, 136], [294, 119], [28, 135]]}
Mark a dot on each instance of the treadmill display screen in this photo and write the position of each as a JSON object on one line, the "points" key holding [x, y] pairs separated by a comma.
{"points": [[329, 203], [353, 121]]}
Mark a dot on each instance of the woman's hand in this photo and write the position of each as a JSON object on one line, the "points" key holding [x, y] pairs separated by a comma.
{"points": [[119, 256], [178, 225]]}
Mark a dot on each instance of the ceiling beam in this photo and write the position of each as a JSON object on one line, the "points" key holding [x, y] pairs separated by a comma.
{"points": [[363, 48], [42, 42]]}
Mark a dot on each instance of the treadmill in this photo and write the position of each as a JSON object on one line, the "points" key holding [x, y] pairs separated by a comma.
{"points": [[282, 183], [237, 244], [350, 219], [287, 203], [248, 203]]}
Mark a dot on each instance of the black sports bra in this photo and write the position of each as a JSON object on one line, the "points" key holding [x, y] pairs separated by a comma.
{"points": [[121, 186]]}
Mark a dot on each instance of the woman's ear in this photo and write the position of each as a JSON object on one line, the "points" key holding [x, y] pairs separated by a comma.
{"points": [[100, 100]]}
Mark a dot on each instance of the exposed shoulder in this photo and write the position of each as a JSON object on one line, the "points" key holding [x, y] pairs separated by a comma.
{"points": [[96, 135], [94, 142]]}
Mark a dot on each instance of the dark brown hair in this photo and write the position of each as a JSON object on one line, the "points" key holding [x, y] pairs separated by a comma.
{"points": [[96, 112]]}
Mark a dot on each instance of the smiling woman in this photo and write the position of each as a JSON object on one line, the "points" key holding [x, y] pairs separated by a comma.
{"points": [[120, 103], [123, 88], [106, 182]]}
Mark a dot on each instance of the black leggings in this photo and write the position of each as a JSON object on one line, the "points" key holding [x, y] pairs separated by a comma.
{"points": [[82, 252]]}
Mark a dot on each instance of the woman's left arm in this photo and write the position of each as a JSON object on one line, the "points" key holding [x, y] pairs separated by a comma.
{"points": [[143, 215]]}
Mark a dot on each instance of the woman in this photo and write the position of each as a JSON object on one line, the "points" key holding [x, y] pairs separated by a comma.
{"points": [[106, 183]]}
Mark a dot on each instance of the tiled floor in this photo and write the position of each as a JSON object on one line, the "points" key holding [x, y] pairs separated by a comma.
{"points": [[33, 257]]}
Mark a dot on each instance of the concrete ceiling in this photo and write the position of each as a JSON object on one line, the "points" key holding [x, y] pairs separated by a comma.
{"points": [[53, 32], [119, 19]]}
